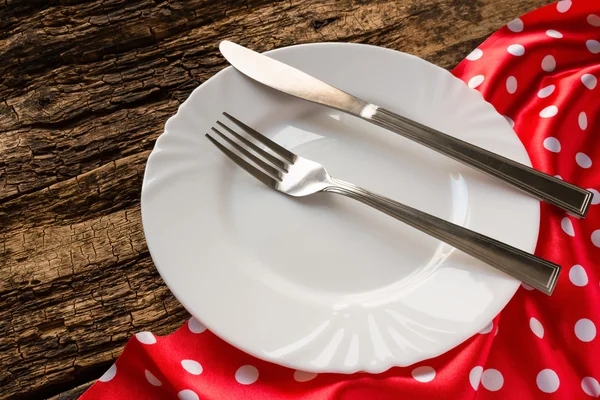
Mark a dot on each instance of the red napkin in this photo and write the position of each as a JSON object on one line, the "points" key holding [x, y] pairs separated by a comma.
{"points": [[541, 72]]}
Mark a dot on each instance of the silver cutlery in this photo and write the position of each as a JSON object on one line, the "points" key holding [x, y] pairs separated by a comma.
{"points": [[286, 172], [284, 78]]}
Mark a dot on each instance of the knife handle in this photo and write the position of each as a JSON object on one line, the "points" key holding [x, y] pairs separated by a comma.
{"points": [[567, 196]]}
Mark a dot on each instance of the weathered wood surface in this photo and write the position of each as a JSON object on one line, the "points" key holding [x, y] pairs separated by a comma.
{"points": [[74, 393], [85, 89]]}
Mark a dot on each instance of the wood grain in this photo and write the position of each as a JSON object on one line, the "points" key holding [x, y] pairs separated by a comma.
{"points": [[85, 89]]}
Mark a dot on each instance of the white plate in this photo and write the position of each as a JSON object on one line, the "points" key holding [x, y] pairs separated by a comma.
{"points": [[323, 283]]}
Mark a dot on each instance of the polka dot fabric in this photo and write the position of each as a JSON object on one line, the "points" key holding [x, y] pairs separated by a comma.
{"points": [[541, 72]]}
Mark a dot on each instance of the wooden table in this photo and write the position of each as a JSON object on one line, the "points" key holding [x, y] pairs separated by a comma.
{"points": [[85, 89]]}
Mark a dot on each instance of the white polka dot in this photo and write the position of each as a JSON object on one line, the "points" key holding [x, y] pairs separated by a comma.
{"points": [[516, 49], [109, 374], [552, 144], [547, 381], [596, 238], [563, 6], [590, 386], [593, 20], [589, 81], [583, 160], [536, 327], [145, 337], [195, 326], [303, 376], [554, 34], [595, 197], [487, 329], [549, 112], [423, 374], [578, 276], [558, 177], [546, 91], [567, 226], [152, 379], [516, 25], [187, 394], [585, 330], [475, 81], [593, 46], [475, 376], [475, 55], [492, 380], [511, 84], [526, 286], [191, 366], [246, 375], [582, 120], [548, 63], [510, 121]]}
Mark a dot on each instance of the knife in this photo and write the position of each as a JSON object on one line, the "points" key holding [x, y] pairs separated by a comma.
{"points": [[284, 78]]}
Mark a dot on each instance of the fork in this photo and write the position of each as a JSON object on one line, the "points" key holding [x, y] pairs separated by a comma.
{"points": [[288, 173]]}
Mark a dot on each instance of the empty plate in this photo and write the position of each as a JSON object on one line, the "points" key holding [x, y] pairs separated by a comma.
{"points": [[323, 283]]}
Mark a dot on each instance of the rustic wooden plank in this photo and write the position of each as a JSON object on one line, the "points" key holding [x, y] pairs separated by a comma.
{"points": [[72, 86], [85, 89], [72, 394]]}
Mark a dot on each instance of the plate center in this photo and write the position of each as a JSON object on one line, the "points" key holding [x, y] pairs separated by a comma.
{"points": [[363, 249]]}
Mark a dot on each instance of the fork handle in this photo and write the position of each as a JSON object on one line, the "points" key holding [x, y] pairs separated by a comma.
{"points": [[534, 271], [550, 189]]}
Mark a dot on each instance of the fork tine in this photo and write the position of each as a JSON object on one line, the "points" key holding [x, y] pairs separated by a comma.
{"points": [[265, 166], [255, 172], [284, 153], [274, 160]]}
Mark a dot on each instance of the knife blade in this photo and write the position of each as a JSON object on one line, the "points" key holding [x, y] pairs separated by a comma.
{"points": [[292, 81]]}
